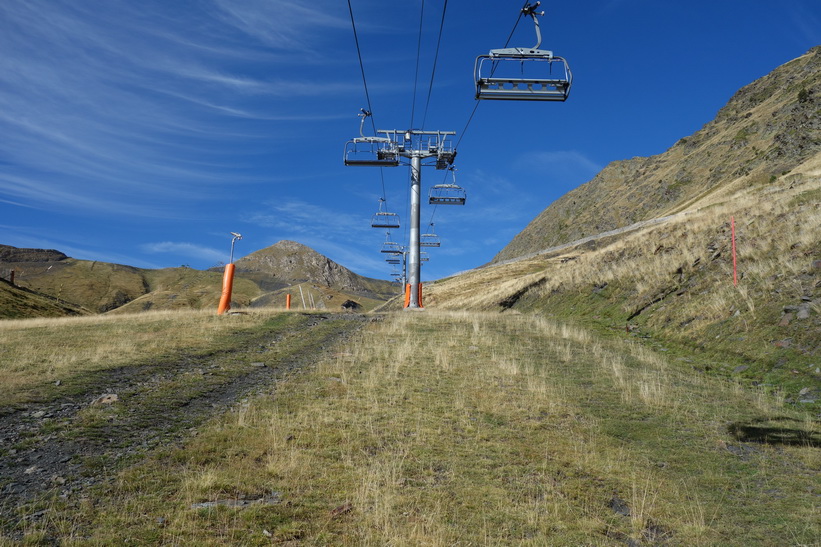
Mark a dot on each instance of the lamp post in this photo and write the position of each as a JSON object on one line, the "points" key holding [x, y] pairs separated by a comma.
{"points": [[236, 237], [228, 279]]}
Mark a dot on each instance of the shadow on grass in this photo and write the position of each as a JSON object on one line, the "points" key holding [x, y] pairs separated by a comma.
{"points": [[780, 430]]}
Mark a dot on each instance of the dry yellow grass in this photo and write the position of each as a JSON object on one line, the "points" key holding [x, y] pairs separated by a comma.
{"points": [[777, 225], [456, 428], [41, 351]]}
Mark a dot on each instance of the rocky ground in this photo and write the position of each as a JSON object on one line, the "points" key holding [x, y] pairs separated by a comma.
{"points": [[64, 446]]}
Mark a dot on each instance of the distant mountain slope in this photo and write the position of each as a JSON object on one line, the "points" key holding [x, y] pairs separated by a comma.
{"points": [[290, 263], [98, 287], [766, 129]]}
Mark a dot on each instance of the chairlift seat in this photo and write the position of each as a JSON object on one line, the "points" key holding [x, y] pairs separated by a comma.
{"points": [[385, 220], [501, 75], [447, 194], [372, 151], [391, 247], [429, 240]]}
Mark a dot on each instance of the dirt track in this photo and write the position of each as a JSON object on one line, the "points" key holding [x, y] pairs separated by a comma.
{"points": [[63, 446]]}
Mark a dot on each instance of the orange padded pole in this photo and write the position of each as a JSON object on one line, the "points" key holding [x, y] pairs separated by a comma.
{"points": [[407, 295], [420, 296], [227, 287], [287, 301]]}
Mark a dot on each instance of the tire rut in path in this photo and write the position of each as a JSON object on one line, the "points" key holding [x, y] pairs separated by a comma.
{"points": [[53, 449]]}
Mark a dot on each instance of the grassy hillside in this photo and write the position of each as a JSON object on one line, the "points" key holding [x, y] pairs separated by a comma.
{"points": [[766, 129], [671, 285], [96, 286], [441, 428], [18, 303], [322, 298]]}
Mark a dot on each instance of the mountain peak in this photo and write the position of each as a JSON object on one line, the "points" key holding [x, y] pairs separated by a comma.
{"points": [[288, 262]]}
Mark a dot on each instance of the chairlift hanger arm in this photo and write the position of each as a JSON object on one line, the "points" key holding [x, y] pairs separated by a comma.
{"points": [[531, 11], [364, 114]]}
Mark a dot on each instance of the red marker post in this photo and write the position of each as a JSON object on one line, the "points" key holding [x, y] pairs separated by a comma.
{"points": [[735, 267]]}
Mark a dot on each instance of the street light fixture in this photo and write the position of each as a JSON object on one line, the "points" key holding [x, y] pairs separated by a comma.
{"points": [[236, 237]]}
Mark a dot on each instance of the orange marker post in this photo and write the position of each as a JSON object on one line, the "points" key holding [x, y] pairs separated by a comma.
{"points": [[287, 301], [227, 288]]}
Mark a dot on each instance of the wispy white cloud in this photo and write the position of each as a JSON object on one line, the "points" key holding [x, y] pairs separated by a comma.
{"points": [[187, 250], [281, 23], [294, 216], [120, 104], [808, 23], [562, 161]]}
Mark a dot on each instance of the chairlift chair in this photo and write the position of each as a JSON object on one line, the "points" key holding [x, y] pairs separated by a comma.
{"points": [[371, 151], [447, 194], [384, 219], [390, 247], [393, 259], [430, 239], [523, 74]]}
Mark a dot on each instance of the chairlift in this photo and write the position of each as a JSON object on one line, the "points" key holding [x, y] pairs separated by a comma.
{"points": [[447, 194], [424, 256], [372, 151], [523, 74], [430, 239], [384, 219], [393, 260], [390, 247]]}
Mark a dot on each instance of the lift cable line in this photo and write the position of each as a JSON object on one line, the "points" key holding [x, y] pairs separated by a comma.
{"points": [[476, 106], [418, 56], [369, 111], [361, 67], [389, 148], [435, 61]]}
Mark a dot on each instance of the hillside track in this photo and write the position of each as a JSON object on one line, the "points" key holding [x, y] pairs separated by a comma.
{"points": [[57, 449]]}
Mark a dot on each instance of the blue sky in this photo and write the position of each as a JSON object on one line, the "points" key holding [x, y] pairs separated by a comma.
{"points": [[142, 133]]}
